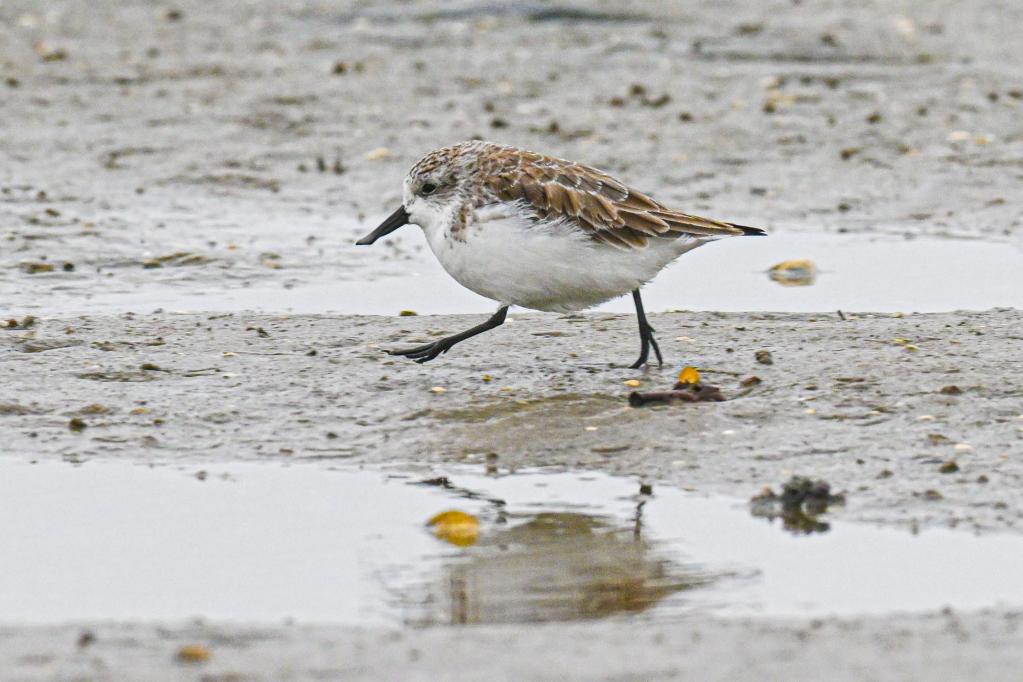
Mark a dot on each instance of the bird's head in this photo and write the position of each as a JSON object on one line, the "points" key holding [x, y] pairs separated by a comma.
{"points": [[434, 190]]}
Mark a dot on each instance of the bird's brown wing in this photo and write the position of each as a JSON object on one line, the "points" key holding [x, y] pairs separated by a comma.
{"points": [[596, 203]]}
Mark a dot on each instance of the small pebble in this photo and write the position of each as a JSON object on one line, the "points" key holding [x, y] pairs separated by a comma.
{"points": [[194, 653], [378, 154]]}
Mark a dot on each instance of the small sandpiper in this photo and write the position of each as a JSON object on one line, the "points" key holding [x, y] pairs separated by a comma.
{"points": [[539, 232]]}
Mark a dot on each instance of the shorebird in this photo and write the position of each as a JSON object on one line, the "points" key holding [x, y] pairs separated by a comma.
{"points": [[539, 232]]}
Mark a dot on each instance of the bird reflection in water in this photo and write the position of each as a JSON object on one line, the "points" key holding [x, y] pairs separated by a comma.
{"points": [[558, 565]]}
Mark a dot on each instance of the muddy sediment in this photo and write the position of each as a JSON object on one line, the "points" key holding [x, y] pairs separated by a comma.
{"points": [[941, 646], [878, 405]]}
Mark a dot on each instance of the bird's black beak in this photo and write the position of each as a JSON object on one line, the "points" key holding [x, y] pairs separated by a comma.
{"points": [[393, 222]]}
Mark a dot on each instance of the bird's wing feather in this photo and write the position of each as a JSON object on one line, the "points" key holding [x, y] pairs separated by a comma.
{"points": [[595, 202]]}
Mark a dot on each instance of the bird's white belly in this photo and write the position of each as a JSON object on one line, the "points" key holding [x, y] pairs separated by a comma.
{"points": [[548, 266]]}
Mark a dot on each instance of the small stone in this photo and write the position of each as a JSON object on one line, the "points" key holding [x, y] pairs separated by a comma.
{"points": [[764, 357], [36, 268], [76, 424], [949, 467], [194, 653], [378, 154], [95, 408]]}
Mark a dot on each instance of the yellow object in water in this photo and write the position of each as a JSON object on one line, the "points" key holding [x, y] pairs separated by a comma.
{"points": [[456, 527], [194, 653], [794, 273]]}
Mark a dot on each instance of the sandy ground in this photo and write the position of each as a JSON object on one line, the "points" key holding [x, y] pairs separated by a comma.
{"points": [[255, 140], [943, 646]]}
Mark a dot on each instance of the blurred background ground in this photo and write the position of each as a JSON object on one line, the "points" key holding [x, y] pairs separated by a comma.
{"points": [[238, 131]]}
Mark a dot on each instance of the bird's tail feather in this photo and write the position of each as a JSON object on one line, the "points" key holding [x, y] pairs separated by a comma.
{"points": [[750, 231]]}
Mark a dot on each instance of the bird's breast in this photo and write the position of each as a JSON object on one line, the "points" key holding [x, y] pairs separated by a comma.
{"points": [[541, 265]]}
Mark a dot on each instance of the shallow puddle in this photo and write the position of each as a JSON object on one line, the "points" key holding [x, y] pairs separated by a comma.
{"points": [[856, 273], [253, 542]]}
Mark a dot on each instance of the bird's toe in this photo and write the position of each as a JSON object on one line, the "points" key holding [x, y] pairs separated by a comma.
{"points": [[412, 352], [423, 353]]}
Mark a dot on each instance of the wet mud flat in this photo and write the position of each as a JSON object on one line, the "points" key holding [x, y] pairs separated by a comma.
{"points": [[916, 417]]}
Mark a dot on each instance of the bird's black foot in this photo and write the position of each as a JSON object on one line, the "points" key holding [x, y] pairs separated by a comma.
{"points": [[426, 352], [648, 341], [429, 351], [646, 335]]}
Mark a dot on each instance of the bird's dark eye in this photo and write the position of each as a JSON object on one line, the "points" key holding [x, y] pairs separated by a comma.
{"points": [[428, 188]]}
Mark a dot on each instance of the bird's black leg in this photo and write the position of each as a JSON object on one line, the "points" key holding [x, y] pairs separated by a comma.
{"points": [[429, 351], [646, 335]]}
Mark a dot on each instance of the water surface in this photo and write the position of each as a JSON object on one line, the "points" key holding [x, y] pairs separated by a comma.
{"points": [[855, 273], [264, 542]]}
